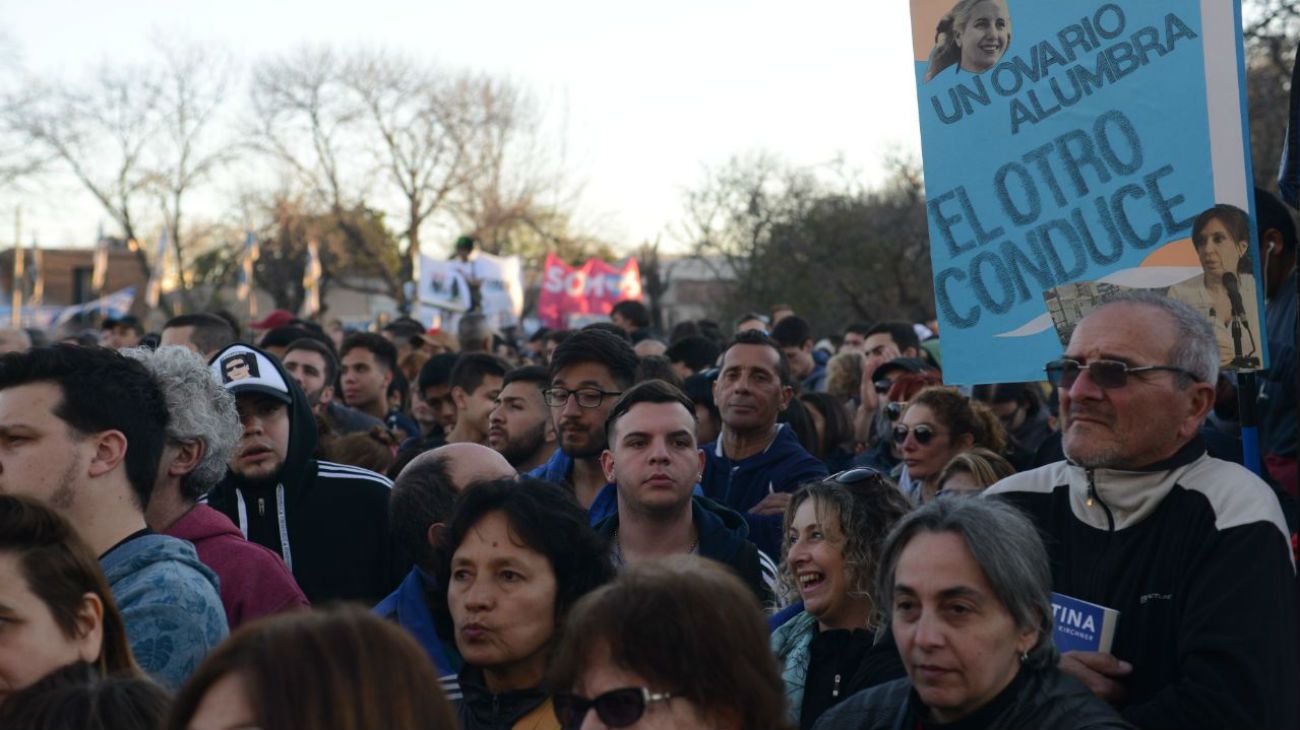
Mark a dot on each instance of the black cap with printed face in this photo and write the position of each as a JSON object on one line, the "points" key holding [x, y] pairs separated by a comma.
{"points": [[242, 369]]}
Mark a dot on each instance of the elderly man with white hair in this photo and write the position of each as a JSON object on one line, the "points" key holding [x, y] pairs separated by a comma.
{"points": [[202, 428]]}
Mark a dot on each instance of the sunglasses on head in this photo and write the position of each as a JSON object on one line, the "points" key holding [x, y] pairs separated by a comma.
{"points": [[923, 434], [615, 708], [856, 475], [1105, 374]]}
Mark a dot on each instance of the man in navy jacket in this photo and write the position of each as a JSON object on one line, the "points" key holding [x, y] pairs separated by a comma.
{"points": [[756, 462]]}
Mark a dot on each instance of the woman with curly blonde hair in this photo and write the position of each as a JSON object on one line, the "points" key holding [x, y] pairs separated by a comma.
{"points": [[834, 530]]}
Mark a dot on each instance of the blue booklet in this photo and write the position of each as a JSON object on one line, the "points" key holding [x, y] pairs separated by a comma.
{"points": [[1082, 626]]}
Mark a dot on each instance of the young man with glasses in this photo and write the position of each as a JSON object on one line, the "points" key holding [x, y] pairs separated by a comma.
{"points": [[1193, 552], [589, 370]]}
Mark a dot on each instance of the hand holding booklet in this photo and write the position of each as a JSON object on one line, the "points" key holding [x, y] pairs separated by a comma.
{"points": [[1082, 626]]}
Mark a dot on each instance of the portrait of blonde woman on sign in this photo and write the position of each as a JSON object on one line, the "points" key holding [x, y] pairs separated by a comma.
{"points": [[971, 38], [1225, 291]]}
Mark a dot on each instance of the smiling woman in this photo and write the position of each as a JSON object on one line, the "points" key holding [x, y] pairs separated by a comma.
{"points": [[973, 36]]}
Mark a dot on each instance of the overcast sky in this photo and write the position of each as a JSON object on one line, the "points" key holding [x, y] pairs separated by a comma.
{"points": [[647, 94]]}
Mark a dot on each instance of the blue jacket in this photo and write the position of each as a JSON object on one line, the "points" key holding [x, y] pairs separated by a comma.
{"points": [[723, 537], [559, 468], [408, 606], [740, 485], [169, 603]]}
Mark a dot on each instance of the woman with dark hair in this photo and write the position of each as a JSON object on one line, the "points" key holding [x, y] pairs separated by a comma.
{"points": [[334, 669], [1221, 236], [834, 531], [55, 605], [833, 429], [938, 424], [674, 643], [514, 559], [973, 36], [965, 586], [79, 697]]}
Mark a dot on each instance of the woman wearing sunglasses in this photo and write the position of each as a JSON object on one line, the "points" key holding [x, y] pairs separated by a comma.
{"points": [[833, 533], [938, 424], [677, 643]]}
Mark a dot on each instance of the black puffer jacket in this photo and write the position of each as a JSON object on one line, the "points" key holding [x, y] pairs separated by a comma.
{"points": [[1037, 698]]}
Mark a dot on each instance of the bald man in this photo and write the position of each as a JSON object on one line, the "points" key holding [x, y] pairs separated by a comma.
{"points": [[421, 503]]}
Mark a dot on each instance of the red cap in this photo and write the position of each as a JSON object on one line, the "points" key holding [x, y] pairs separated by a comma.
{"points": [[278, 318]]}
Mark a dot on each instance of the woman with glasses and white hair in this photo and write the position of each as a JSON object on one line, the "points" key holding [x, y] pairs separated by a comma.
{"points": [[965, 586], [834, 531]]}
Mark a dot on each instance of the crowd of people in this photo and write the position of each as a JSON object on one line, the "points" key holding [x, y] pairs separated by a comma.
{"points": [[284, 526]]}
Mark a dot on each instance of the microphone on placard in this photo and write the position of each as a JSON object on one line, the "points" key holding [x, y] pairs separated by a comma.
{"points": [[1234, 294]]}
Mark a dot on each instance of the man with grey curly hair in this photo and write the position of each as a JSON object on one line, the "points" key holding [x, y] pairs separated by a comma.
{"points": [[202, 429], [1193, 552]]}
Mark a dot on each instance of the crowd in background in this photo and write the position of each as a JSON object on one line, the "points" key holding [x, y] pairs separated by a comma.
{"points": [[748, 524]]}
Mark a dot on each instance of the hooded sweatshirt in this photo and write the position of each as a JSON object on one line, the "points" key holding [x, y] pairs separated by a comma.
{"points": [[740, 485], [254, 580], [169, 603], [327, 521], [723, 537]]}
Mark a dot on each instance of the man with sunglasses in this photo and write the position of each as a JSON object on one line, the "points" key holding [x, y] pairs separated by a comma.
{"points": [[589, 370], [1192, 551]]}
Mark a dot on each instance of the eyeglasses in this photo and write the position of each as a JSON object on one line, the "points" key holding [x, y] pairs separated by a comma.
{"points": [[587, 397], [1106, 374], [856, 475], [615, 708], [922, 433]]}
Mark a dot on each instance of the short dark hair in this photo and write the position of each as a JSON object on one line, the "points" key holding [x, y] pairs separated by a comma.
{"points": [[695, 352], [609, 327], [545, 518], [535, 374], [383, 350], [211, 333], [658, 367], [838, 426], [282, 336], [436, 371], [600, 346], [633, 311], [651, 391], [1271, 213], [423, 495], [101, 391], [473, 367], [404, 327], [792, 331], [857, 328], [699, 388], [311, 344], [900, 332], [758, 337], [1026, 394]]}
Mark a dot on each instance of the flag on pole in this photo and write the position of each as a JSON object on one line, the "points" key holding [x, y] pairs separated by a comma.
{"points": [[311, 274], [99, 273], [38, 275], [160, 272], [251, 253]]}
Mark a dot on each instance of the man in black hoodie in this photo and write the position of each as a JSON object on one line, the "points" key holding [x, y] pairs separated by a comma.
{"points": [[655, 461], [328, 521]]}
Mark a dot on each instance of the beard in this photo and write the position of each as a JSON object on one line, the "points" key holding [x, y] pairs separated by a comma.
{"points": [[518, 450], [591, 446]]}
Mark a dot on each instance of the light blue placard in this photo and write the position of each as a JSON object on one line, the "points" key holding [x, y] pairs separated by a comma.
{"points": [[1086, 149]]}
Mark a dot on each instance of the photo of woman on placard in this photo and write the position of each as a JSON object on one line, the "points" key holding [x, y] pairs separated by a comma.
{"points": [[1225, 292], [973, 37]]}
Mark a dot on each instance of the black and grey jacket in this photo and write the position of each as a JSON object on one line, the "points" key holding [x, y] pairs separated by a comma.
{"points": [[328, 521], [1195, 555]]}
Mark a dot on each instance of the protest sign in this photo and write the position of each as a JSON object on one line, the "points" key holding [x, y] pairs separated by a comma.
{"points": [[592, 289], [496, 282], [1073, 158]]}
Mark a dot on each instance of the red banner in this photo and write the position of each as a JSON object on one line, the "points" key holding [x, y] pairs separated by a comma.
{"points": [[591, 290]]}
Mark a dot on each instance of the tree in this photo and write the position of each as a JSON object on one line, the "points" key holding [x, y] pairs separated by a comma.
{"points": [[828, 248], [1271, 32]]}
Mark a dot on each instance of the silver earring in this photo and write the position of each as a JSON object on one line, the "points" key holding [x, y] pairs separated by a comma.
{"points": [[1024, 657]]}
